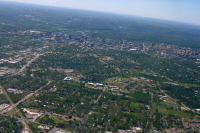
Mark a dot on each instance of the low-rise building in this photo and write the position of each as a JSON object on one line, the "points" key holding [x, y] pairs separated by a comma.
{"points": [[99, 85], [198, 110], [15, 91], [185, 108], [43, 127], [1, 92], [32, 114], [134, 130], [137, 129], [114, 88], [95, 84], [68, 79], [91, 84], [192, 124], [4, 106]]}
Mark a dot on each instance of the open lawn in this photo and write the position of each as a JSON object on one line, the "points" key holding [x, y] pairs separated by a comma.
{"points": [[117, 81], [164, 110], [134, 105], [192, 85]]}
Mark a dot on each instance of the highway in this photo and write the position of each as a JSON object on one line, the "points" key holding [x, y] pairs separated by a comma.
{"points": [[23, 99], [13, 106]]}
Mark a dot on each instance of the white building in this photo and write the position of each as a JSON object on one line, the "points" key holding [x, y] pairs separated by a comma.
{"points": [[68, 79], [198, 110]]}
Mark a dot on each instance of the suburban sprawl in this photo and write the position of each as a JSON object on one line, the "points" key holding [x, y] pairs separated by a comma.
{"points": [[66, 74]]}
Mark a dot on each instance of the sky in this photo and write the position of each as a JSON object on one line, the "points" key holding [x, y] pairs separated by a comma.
{"points": [[176, 10]]}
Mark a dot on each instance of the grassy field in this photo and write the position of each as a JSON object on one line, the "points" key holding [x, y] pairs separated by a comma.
{"points": [[12, 111], [134, 105], [71, 83], [192, 85], [164, 110], [171, 101], [56, 119], [117, 81]]}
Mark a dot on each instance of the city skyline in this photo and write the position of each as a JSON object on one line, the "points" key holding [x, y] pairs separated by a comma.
{"points": [[179, 10]]}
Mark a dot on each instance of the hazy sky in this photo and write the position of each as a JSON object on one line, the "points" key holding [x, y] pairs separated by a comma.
{"points": [[177, 10]]}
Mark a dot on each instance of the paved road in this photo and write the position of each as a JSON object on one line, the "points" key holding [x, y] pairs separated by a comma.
{"points": [[96, 101], [24, 123], [28, 64], [13, 106], [23, 99]]}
